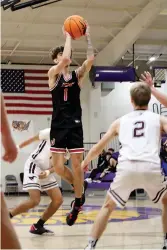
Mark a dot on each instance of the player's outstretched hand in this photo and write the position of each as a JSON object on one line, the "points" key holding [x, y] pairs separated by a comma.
{"points": [[44, 174], [10, 148], [146, 77], [84, 166]]}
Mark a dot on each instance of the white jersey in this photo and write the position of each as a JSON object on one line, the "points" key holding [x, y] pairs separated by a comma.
{"points": [[41, 154], [139, 136]]}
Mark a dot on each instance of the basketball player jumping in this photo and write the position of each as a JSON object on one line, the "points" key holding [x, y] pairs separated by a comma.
{"points": [[38, 176], [138, 163], [146, 77], [66, 126]]}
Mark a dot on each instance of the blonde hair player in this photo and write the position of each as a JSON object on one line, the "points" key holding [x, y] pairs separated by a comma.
{"points": [[38, 176], [66, 126], [138, 163], [9, 238]]}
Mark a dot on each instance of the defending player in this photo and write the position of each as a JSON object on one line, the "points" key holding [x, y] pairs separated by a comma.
{"points": [[66, 126], [38, 176], [138, 163]]}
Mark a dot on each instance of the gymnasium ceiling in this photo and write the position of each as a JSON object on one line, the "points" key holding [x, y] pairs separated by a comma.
{"points": [[28, 35]]}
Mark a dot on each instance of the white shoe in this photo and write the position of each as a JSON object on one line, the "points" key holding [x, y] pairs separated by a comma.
{"points": [[98, 181], [88, 180], [165, 244], [89, 247]]}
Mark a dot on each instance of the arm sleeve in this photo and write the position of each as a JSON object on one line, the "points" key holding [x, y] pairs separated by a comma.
{"points": [[44, 134]]}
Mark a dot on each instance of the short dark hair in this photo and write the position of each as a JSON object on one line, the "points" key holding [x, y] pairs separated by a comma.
{"points": [[141, 94], [111, 149], [56, 51]]}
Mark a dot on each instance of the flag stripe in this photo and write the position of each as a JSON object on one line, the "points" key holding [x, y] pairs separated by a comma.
{"points": [[28, 98], [37, 92], [29, 108], [36, 71], [36, 78], [29, 112], [37, 85], [29, 105]]}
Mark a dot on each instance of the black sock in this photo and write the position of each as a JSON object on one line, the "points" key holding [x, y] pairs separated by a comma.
{"points": [[40, 223], [10, 215], [77, 202]]}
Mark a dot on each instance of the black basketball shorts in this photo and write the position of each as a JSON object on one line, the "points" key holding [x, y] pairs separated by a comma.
{"points": [[66, 138]]}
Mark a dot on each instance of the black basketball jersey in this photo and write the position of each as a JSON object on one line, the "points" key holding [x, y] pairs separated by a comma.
{"points": [[67, 111]]}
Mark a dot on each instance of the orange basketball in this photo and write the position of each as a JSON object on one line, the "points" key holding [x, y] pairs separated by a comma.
{"points": [[75, 26]]}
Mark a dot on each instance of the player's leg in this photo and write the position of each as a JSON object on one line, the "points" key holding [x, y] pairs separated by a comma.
{"points": [[56, 202], [30, 184], [156, 187], [64, 172], [78, 188], [31, 202], [9, 238], [118, 194], [49, 185], [78, 174], [58, 141], [75, 147], [101, 221]]}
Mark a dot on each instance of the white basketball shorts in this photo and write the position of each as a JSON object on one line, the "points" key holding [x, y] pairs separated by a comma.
{"points": [[32, 181], [133, 175]]}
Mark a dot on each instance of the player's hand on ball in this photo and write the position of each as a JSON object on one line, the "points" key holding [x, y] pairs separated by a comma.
{"points": [[87, 33], [146, 77], [65, 33], [44, 174], [84, 166]]}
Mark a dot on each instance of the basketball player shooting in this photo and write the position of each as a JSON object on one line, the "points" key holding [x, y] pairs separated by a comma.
{"points": [[66, 126], [38, 176], [138, 163]]}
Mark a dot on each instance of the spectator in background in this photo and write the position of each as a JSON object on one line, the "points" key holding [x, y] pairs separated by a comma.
{"points": [[107, 162], [163, 153], [112, 160], [101, 165]]}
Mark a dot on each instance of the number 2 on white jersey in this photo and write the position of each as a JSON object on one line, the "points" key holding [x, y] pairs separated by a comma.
{"points": [[139, 129]]}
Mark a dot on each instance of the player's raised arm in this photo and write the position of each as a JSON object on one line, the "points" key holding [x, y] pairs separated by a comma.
{"points": [[87, 64], [146, 77], [42, 135], [8, 143], [62, 61], [97, 149]]}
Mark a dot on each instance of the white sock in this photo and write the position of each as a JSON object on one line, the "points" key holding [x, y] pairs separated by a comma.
{"points": [[92, 241]]}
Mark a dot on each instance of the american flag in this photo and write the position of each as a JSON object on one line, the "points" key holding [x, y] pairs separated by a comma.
{"points": [[26, 91]]}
